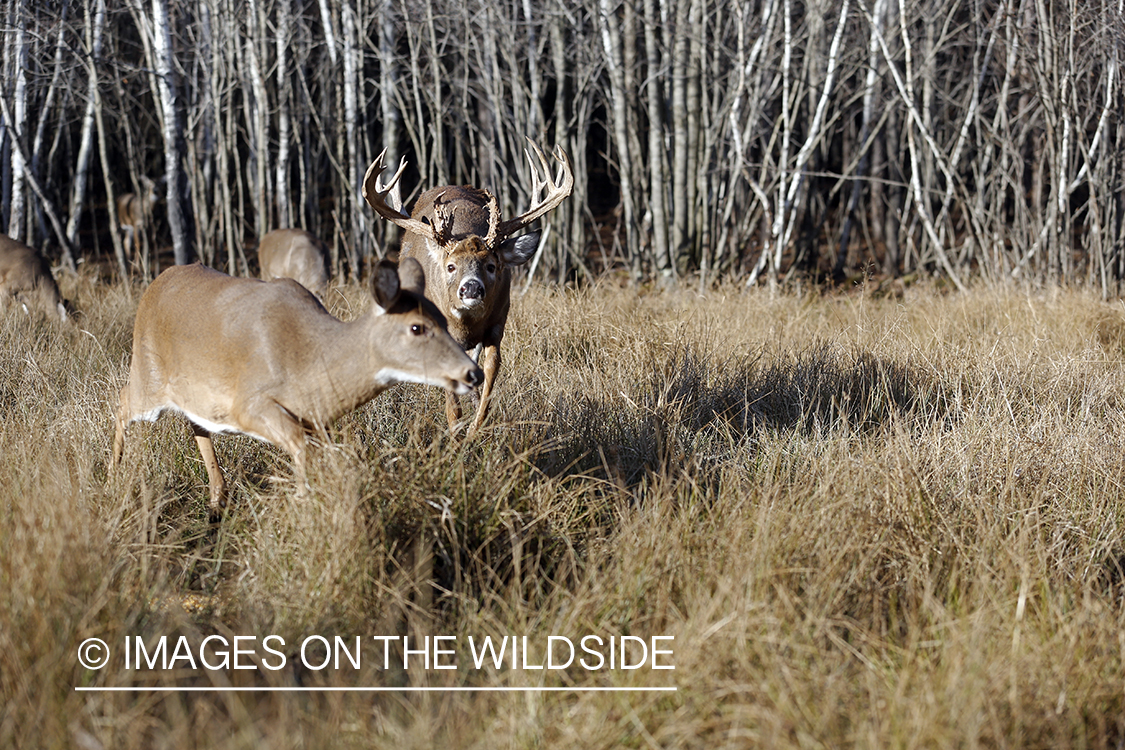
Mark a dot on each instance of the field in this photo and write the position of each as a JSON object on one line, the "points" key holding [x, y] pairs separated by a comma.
{"points": [[866, 521]]}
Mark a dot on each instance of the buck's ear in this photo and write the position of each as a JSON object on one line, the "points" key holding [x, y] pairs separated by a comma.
{"points": [[517, 251], [411, 276], [384, 285]]}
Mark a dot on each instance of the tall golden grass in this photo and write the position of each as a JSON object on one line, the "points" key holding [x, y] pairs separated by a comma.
{"points": [[874, 522]]}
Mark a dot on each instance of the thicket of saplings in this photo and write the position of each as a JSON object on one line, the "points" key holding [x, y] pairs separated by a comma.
{"points": [[864, 520]]}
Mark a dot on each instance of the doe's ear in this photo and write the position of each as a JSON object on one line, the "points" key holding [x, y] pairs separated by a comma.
{"points": [[517, 251], [384, 285], [411, 276]]}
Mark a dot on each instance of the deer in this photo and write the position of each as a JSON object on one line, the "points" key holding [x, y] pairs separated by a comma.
{"points": [[265, 359], [294, 254], [25, 276], [134, 212], [468, 253]]}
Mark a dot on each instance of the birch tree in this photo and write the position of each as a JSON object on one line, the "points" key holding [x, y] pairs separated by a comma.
{"points": [[15, 116], [177, 197], [94, 27]]}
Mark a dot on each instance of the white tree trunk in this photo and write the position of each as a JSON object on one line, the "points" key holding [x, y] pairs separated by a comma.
{"points": [[351, 106], [95, 29], [48, 104], [388, 107], [18, 121], [611, 43], [658, 185], [257, 113], [177, 198], [284, 212], [680, 174]]}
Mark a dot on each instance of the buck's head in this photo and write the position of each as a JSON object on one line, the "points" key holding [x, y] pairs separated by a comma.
{"points": [[472, 269], [464, 236]]}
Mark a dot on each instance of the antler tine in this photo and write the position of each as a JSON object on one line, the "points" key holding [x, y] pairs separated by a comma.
{"points": [[557, 189], [371, 187], [537, 184], [564, 165], [376, 196]]}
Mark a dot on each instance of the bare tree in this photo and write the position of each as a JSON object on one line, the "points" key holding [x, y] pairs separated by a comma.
{"points": [[610, 31], [177, 197], [79, 185], [15, 115]]}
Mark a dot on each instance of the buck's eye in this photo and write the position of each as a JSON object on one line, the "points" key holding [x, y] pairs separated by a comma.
{"points": [[417, 329], [451, 268], [491, 268]]}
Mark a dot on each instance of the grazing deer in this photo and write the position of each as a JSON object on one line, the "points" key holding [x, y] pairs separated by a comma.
{"points": [[294, 254], [468, 253], [26, 276], [267, 360], [134, 212]]}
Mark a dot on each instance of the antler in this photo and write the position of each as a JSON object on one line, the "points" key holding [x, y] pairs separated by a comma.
{"points": [[376, 197], [557, 189]]}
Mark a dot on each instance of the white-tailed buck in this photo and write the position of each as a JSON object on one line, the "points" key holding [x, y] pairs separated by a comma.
{"points": [[468, 252], [267, 360], [25, 275], [134, 212], [294, 254]]}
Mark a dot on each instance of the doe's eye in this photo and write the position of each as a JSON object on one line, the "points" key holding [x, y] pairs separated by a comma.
{"points": [[491, 268], [417, 329], [451, 268]]}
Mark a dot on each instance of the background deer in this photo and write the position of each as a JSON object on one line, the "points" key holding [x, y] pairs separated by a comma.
{"points": [[294, 254], [25, 275], [467, 253], [134, 212], [267, 360]]}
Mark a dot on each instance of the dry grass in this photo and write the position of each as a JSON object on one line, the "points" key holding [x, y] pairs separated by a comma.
{"points": [[866, 522]]}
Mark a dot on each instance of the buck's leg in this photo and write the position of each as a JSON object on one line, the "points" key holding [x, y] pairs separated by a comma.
{"points": [[490, 363], [215, 476]]}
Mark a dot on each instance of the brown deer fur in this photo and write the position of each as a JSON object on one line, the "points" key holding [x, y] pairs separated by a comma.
{"points": [[26, 276]]}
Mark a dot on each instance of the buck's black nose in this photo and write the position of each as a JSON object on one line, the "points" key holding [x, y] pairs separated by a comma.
{"points": [[475, 377], [471, 289]]}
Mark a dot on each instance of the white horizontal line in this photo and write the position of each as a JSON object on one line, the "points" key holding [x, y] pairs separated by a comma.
{"points": [[376, 689]]}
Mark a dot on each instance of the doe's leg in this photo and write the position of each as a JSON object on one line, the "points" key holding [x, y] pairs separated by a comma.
{"points": [[127, 240], [119, 432], [270, 420], [452, 409], [218, 482]]}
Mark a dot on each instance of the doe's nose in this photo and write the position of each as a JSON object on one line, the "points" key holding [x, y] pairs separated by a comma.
{"points": [[475, 377], [471, 289]]}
